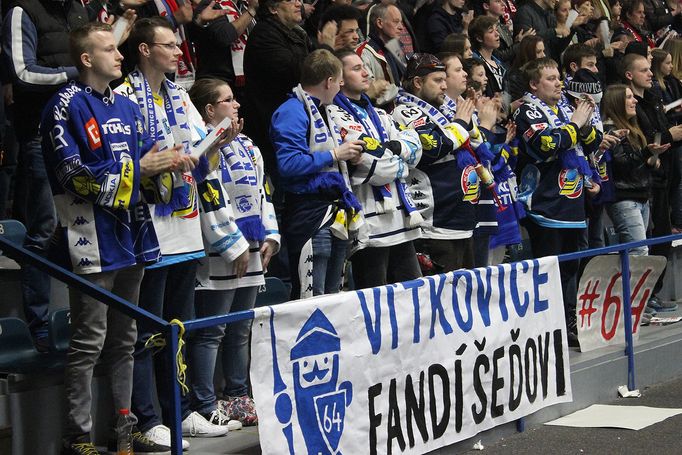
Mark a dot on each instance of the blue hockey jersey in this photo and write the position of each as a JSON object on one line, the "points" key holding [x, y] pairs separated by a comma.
{"points": [[92, 144]]}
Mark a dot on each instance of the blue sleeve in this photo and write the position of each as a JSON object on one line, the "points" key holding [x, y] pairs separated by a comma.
{"points": [[289, 134], [19, 44], [105, 182]]}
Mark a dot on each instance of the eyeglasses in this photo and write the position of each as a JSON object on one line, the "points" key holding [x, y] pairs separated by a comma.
{"points": [[168, 46]]}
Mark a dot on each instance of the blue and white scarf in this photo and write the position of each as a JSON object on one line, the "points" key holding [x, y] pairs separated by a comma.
{"points": [[178, 123], [573, 158], [239, 176], [334, 178], [463, 153], [382, 194]]}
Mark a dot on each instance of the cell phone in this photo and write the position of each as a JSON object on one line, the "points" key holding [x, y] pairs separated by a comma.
{"points": [[657, 138]]}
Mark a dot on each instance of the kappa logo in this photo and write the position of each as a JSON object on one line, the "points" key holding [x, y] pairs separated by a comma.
{"points": [[84, 262], [470, 185], [570, 183], [79, 221], [319, 395], [83, 241], [94, 137]]}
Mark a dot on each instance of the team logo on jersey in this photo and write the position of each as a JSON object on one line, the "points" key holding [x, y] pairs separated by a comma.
{"points": [[570, 183], [92, 130], [470, 185], [211, 196]]}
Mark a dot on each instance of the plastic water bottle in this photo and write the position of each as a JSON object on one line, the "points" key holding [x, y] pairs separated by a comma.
{"points": [[124, 433]]}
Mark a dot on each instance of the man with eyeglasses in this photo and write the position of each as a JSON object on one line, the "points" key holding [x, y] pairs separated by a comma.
{"points": [[168, 286]]}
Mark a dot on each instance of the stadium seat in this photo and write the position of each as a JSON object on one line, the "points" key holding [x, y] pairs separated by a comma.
{"points": [[17, 353], [59, 330], [275, 292]]}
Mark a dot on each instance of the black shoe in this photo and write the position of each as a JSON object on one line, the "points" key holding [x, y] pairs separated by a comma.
{"points": [[80, 446], [141, 444]]}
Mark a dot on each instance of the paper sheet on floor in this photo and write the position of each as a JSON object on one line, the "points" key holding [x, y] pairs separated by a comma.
{"points": [[610, 416]]}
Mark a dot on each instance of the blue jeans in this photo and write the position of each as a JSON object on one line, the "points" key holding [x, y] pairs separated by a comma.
{"points": [[40, 219], [630, 219], [203, 346], [329, 255], [167, 292]]}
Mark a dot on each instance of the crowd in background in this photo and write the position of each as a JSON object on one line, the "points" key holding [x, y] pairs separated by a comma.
{"points": [[364, 143]]}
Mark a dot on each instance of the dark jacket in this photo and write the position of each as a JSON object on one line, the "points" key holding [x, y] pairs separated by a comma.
{"points": [[213, 46], [272, 67], [629, 171], [651, 118], [439, 25], [45, 63], [672, 92], [530, 15]]}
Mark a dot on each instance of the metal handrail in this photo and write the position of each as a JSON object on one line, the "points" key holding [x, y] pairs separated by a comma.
{"points": [[171, 331]]}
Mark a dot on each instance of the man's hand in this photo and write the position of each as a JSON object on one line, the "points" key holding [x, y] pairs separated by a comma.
{"points": [[523, 33], [241, 264], [465, 110], [209, 14], [377, 88], [348, 151], [129, 15], [487, 112], [328, 34], [266, 252], [511, 132], [676, 132], [155, 162], [184, 13], [593, 190], [582, 114]]}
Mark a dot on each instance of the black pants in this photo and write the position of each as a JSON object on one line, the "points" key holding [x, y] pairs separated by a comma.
{"points": [[553, 241], [379, 266]]}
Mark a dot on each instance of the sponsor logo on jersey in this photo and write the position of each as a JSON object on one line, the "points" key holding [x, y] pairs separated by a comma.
{"points": [[115, 125], [470, 185], [570, 183], [92, 130], [120, 147]]}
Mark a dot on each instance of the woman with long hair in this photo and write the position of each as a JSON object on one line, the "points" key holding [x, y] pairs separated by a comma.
{"points": [[530, 48], [669, 86], [228, 280], [633, 160], [674, 47]]}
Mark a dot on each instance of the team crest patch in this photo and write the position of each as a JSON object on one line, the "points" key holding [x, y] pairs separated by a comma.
{"points": [[570, 183], [470, 185]]}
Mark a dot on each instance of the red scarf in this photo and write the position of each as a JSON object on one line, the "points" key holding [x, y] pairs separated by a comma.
{"points": [[637, 35]]}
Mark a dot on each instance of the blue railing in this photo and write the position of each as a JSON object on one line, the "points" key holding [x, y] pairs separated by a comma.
{"points": [[171, 331]]}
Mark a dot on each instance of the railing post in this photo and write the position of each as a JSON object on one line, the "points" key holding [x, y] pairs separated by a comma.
{"points": [[627, 317], [176, 411]]}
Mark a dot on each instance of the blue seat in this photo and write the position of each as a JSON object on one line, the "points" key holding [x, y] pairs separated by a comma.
{"points": [[59, 330], [275, 292], [17, 353], [13, 231]]}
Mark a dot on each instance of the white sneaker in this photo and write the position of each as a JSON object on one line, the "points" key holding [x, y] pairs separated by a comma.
{"points": [[161, 434], [196, 426], [220, 417]]}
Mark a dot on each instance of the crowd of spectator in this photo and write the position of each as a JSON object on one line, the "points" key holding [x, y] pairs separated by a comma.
{"points": [[387, 139]]}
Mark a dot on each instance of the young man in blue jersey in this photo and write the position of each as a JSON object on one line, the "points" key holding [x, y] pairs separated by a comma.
{"points": [[555, 174], [102, 166], [320, 208]]}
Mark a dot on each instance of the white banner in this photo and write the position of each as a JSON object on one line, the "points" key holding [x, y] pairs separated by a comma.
{"points": [[600, 298], [411, 367]]}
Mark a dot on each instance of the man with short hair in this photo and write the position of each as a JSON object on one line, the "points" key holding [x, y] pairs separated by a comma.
{"points": [[101, 164], [386, 24], [167, 289], [347, 19], [320, 209], [444, 184], [382, 251], [579, 56], [653, 122], [555, 140]]}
